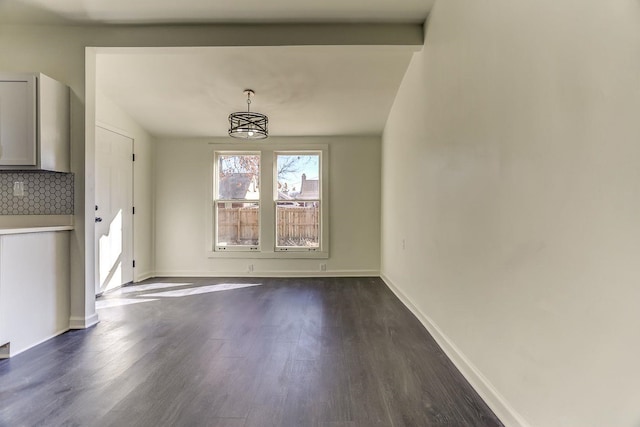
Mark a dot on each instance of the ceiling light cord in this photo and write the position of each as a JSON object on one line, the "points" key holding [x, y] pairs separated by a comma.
{"points": [[249, 92]]}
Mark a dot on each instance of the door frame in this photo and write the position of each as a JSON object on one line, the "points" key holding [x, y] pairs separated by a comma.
{"points": [[116, 130]]}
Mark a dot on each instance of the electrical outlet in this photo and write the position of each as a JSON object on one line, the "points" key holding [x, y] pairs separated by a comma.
{"points": [[323, 267], [18, 189]]}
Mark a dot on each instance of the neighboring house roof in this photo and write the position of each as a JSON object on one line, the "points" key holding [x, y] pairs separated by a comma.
{"points": [[284, 196]]}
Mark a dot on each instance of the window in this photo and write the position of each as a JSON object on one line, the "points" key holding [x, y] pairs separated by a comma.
{"points": [[297, 196], [237, 201], [268, 201]]}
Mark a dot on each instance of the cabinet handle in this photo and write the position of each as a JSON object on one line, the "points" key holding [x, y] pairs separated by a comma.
{"points": [[98, 219]]}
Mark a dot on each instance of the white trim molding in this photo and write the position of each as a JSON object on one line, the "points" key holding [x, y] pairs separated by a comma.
{"points": [[83, 322], [144, 276], [5, 350], [332, 273], [9, 353], [498, 404]]}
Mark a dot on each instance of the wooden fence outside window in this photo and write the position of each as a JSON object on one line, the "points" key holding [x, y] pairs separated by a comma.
{"points": [[296, 225]]}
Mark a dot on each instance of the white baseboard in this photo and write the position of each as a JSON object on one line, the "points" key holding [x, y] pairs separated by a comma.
{"points": [[5, 350], [22, 350], [332, 273], [498, 404], [144, 276], [83, 322]]}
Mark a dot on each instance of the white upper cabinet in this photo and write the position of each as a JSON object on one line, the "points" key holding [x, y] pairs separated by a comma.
{"points": [[34, 123], [18, 121]]}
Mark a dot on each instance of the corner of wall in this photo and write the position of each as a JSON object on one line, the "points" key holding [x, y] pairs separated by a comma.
{"points": [[478, 381]]}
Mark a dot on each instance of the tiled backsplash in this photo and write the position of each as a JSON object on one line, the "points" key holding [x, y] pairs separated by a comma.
{"points": [[45, 193]]}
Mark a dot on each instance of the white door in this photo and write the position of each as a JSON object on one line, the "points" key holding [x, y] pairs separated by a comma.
{"points": [[114, 206]]}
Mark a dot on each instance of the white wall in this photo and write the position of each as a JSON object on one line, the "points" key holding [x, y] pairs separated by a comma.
{"points": [[34, 288], [59, 51], [183, 177], [109, 114], [514, 138]]}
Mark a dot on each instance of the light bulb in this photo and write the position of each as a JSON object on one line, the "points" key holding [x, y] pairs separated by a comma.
{"points": [[250, 133]]}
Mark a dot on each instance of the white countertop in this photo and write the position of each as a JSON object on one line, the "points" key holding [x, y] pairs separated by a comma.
{"points": [[16, 224]]}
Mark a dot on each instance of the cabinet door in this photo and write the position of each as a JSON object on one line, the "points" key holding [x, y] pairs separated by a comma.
{"points": [[17, 121]]}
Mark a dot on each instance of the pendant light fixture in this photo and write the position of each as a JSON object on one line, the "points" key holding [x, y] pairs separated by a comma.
{"points": [[248, 125]]}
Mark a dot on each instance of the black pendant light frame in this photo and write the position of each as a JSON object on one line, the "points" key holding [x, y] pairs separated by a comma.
{"points": [[246, 124]]}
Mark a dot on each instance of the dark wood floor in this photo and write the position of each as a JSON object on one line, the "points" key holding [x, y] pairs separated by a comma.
{"points": [[292, 352]]}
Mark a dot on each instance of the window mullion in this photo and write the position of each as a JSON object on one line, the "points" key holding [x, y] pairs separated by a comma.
{"points": [[267, 218]]}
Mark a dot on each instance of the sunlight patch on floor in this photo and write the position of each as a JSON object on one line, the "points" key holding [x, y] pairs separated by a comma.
{"points": [[148, 287], [202, 290], [117, 302]]}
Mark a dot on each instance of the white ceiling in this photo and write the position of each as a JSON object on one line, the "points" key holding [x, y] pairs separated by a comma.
{"points": [[310, 90], [213, 11], [305, 90]]}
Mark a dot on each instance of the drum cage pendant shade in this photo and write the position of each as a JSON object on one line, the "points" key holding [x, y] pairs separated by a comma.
{"points": [[248, 125]]}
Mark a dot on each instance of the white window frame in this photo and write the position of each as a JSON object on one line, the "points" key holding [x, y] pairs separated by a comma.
{"points": [[267, 247], [318, 200], [217, 200]]}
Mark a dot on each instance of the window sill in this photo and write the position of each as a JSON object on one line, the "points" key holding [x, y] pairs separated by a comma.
{"points": [[270, 255]]}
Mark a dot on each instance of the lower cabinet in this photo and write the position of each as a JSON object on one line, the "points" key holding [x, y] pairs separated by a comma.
{"points": [[34, 288]]}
